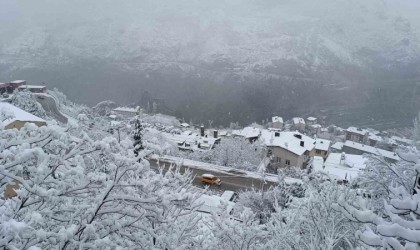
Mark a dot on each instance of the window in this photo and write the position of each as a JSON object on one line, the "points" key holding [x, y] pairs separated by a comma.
{"points": [[278, 159], [288, 162], [318, 151]]}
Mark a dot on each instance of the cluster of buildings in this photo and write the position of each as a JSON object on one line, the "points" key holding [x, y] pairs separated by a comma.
{"points": [[9, 87]]}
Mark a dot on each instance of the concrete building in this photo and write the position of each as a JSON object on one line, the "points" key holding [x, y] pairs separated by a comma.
{"points": [[34, 88], [250, 133], [126, 111], [363, 136], [322, 148], [311, 120], [350, 147], [17, 118], [341, 167], [277, 122], [287, 149], [299, 124]]}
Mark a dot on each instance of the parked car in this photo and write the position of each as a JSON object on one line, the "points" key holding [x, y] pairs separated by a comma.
{"points": [[210, 179]]}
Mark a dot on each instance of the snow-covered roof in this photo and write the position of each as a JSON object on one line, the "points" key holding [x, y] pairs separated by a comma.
{"points": [[372, 150], [277, 119], [375, 137], [248, 132], [322, 144], [311, 119], [2, 84], [338, 146], [184, 124], [18, 114], [126, 109], [341, 166], [32, 87], [18, 81], [357, 130], [401, 140], [288, 140], [298, 120], [316, 126]]}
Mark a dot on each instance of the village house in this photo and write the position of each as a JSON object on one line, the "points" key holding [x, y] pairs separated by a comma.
{"points": [[299, 124], [17, 118], [350, 147], [250, 133], [315, 129], [322, 148], [340, 167], [362, 136], [311, 120], [33, 88], [277, 122], [126, 111], [288, 149]]}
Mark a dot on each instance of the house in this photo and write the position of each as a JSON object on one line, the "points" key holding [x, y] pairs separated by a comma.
{"points": [[250, 133], [299, 124], [337, 147], [400, 141], [126, 111], [340, 166], [184, 125], [362, 136], [315, 128], [15, 84], [17, 118], [322, 148], [288, 149], [311, 120], [277, 122], [34, 88], [3, 87], [350, 147]]}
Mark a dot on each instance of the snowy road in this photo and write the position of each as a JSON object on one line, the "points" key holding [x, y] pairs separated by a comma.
{"points": [[232, 182], [50, 106]]}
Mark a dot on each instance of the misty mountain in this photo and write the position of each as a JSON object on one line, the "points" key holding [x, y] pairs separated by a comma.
{"points": [[346, 52]]}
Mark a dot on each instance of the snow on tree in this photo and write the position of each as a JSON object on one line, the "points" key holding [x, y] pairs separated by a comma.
{"points": [[104, 107], [138, 134], [27, 101], [236, 233], [237, 153], [265, 202], [397, 225], [380, 176], [77, 193]]}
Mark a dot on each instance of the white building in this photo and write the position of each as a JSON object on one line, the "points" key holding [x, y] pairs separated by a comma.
{"points": [[350, 147], [340, 166], [277, 122], [288, 149], [311, 120], [299, 124]]}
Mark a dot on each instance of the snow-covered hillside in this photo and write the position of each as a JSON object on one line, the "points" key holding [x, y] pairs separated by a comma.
{"points": [[273, 37]]}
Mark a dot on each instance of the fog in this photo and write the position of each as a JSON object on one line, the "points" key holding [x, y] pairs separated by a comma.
{"points": [[355, 62]]}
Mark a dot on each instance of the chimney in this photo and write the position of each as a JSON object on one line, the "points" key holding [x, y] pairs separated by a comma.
{"points": [[202, 131], [343, 157], [302, 143], [215, 133]]}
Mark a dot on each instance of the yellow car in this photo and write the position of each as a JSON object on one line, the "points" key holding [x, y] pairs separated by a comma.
{"points": [[210, 179]]}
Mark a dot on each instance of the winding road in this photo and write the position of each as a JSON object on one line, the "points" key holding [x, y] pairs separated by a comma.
{"points": [[50, 106]]}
